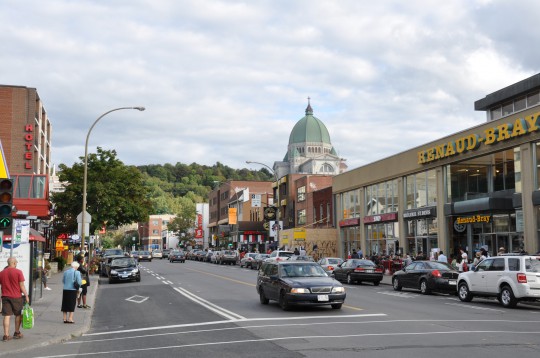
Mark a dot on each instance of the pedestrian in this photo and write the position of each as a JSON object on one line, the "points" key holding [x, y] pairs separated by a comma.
{"points": [[442, 257], [81, 299], [464, 256], [296, 252], [360, 253], [302, 251], [453, 261], [501, 252], [69, 295], [13, 289], [44, 273], [355, 254]]}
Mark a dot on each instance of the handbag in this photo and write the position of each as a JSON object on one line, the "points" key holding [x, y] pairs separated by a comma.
{"points": [[27, 317], [75, 283]]}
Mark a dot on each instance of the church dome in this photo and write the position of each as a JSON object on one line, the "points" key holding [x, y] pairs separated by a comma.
{"points": [[309, 129]]}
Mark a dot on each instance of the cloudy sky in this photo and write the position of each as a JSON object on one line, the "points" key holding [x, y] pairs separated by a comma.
{"points": [[226, 80]]}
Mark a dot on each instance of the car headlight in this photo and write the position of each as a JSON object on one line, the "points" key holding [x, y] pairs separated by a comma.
{"points": [[113, 272], [299, 290], [135, 271], [339, 289]]}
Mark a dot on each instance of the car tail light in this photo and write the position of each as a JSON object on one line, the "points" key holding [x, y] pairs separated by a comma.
{"points": [[521, 278], [331, 268], [436, 273], [359, 269], [378, 270]]}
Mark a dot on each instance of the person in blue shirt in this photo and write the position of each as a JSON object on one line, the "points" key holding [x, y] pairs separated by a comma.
{"points": [[69, 295]]}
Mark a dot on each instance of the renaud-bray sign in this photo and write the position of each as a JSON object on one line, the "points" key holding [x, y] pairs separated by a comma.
{"points": [[502, 132], [473, 219]]}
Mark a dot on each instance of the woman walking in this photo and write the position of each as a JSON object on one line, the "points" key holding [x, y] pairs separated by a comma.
{"points": [[69, 297]]}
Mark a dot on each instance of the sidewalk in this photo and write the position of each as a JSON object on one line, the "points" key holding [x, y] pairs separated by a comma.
{"points": [[49, 326]]}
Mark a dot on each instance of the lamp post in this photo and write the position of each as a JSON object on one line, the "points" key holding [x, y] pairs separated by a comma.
{"points": [[83, 231], [277, 197]]}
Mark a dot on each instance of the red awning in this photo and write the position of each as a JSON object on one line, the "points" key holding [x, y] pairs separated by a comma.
{"points": [[34, 236]]}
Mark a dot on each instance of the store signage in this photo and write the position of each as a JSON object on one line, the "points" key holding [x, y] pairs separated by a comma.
{"points": [[28, 145], [500, 133], [380, 218], [419, 213], [473, 219], [350, 222]]}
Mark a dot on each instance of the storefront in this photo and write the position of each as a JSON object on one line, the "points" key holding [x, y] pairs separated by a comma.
{"points": [[381, 234], [421, 230]]}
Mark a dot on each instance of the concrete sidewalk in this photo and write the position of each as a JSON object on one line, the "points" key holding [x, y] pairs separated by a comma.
{"points": [[49, 326]]}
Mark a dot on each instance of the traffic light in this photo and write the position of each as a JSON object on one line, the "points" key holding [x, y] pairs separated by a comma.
{"points": [[6, 205]]}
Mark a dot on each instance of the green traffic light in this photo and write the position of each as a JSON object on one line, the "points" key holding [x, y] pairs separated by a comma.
{"points": [[5, 222]]}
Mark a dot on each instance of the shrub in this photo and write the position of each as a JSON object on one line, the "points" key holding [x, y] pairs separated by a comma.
{"points": [[61, 262]]}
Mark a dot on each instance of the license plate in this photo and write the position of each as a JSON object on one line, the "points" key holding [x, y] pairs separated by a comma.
{"points": [[451, 282], [370, 271], [322, 298]]}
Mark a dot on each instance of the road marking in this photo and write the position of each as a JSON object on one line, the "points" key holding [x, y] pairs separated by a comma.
{"points": [[223, 277], [137, 299], [474, 307], [212, 307], [317, 337], [397, 294]]}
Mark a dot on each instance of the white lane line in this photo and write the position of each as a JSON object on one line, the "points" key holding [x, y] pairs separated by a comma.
{"points": [[167, 282], [474, 307], [214, 323], [321, 337], [397, 294], [212, 307]]}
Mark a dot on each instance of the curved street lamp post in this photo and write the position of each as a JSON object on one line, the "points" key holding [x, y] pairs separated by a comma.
{"points": [[83, 231], [277, 197]]}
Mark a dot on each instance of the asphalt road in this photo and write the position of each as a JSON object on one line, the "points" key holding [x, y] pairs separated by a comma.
{"points": [[205, 310]]}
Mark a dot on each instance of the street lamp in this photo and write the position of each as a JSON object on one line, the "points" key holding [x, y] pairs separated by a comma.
{"points": [[83, 231], [277, 196]]}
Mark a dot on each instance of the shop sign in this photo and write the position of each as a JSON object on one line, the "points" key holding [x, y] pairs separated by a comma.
{"points": [[380, 218], [419, 213], [473, 219], [350, 222], [493, 135]]}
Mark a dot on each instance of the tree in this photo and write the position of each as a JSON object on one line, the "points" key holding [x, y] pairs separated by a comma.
{"points": [[184, 222], [115, 193]]}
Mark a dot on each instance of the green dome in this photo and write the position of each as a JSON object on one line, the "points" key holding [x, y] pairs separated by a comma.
{"points": [[309, 129]]}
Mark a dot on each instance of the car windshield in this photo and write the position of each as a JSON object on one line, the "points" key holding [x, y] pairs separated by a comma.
{"points": [[112, 252], [295, 270], [286, 254], [439, 265], [334, 261], [363, 263], [123, 262], [145, 252]]}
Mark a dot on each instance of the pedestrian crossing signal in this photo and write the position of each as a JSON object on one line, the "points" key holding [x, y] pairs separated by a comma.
{"points": [[6, 204]]}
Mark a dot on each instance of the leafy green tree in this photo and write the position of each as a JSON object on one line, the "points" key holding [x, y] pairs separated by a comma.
{"points": [[115, 193], [184, 222]]}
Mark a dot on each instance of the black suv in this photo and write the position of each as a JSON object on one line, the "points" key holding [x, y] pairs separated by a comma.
{"points": [[298, 283]]}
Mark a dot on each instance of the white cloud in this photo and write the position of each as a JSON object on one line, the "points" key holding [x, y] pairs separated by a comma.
{"points": [[227, 80]]}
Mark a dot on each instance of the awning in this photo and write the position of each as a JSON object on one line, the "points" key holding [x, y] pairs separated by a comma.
{"points": [[34, 236]]}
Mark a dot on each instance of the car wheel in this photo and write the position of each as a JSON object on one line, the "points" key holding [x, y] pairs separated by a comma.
{"points": [[262, 297], [138, 279], [337, 306], [349, 279], [376, 283], [395, 283], [507, 298], [242, 266], [359, 282], [463, 292], [424, 287], [283, 301]]}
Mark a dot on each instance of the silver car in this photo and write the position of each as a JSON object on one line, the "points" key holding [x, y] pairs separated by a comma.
{"points": [[330, 263]]}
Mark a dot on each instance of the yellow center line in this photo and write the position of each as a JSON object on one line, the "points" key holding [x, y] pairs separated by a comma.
{"points": [[223, 277]]}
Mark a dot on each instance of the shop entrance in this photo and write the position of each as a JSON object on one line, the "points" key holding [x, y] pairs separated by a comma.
{"points": [[492, 242], [422, 244]]}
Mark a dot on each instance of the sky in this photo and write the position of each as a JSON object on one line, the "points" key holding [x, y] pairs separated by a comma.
{"points": [[226, 81]]}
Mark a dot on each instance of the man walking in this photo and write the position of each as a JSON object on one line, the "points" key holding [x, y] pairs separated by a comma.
{"points": [[12, 284], [442, 257]]}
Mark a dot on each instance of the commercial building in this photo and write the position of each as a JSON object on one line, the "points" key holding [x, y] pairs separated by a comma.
{"points": [[479, 187]]}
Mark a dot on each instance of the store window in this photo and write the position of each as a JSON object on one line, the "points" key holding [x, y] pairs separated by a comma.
{"points": [[421, 189], [301, 193], [382, 198]]}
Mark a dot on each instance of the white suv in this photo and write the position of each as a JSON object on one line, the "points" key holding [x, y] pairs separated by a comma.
{"points": [[509, 278], [279, 255]]}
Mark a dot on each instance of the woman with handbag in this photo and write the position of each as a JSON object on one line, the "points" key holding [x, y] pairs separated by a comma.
{"points": [[72, 282]]}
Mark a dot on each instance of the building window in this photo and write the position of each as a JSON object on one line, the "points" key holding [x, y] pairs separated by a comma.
{"points": [[301, 217], [301, 193]]}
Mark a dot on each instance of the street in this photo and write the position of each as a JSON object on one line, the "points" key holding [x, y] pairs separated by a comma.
{"points": [[197, 309]]}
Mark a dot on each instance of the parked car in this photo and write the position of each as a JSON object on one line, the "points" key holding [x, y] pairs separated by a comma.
{"points": [[258, 261], [200, 255], [177, 255], [509, 278], [248, 259], [134, 254], [208, 256], [227, 257], [145, 256], [280, 255], [124, 269], [426, 276], [157, 254], [298, 283], [215, 257], [166, 252], [358, 271], [330, 263]]}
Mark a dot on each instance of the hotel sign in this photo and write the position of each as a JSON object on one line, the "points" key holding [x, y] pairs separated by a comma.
{"points": [[500, 133]]}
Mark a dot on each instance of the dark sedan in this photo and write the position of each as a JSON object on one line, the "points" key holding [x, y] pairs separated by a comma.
{"points": [[124, 269], [358, 271], [145, 256], [426, 276], [298, 283], [177, 255], [258, 261]]}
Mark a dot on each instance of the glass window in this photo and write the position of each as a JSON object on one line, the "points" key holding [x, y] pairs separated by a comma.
{"points": [[520, 104], [533, 99], [507, 108], [301, 193], [38, 187], [22, 187], [410, 193], [301, 219], [496, 113], [498, 265], [513, 264]]}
